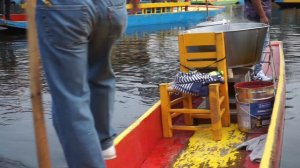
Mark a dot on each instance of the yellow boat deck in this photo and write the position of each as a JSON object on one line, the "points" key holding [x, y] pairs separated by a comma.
{"points": [[203, 151]]}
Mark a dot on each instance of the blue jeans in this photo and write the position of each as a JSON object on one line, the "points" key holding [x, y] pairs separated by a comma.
{"points": [[75, 40]]}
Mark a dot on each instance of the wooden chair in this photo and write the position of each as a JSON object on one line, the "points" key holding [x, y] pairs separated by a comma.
{"points": [[193, 53]]}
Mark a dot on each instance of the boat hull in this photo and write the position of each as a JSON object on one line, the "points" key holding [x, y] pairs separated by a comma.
{"points": [[272, 153], [142, 144]]}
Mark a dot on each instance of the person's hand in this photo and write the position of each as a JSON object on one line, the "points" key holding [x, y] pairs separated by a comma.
{"points": [[264, 20]]}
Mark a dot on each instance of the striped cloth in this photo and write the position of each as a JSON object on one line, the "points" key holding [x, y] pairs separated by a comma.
{"points": [[196, 83]]}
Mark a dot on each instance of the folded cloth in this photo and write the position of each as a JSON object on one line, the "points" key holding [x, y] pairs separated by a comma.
{"points": [[194, 76], [256, 145], [196, 83], [194, 88]]}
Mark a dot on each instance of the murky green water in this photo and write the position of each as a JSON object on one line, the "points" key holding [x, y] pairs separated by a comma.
{"points": [[142, 59]]}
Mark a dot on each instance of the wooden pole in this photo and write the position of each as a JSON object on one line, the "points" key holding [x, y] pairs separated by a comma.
{"points": [[35, 86]]}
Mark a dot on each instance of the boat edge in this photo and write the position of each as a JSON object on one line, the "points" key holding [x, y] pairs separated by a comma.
{"points": [[136, 123], [272, 151]]}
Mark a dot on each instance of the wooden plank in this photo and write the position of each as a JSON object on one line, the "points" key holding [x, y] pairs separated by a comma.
{"points": [[190, 128], [198, 39], [205, 116], [202, 64], [165, 110], [216, 124], [190, 110], [177, 100], [224, 87], [202, 55]]}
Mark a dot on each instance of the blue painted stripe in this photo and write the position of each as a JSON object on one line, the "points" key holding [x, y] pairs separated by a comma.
{"points": [[20, 25], [2, 22], [148, 19], [167, 18]]}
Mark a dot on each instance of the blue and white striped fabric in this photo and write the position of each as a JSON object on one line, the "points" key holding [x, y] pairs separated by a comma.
{"points": [[196, 83]]}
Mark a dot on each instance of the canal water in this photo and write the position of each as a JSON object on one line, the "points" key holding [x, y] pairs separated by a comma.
{"points": [[143, 58]]}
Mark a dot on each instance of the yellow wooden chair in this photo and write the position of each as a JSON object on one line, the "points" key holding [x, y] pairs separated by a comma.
{"points": [[218, 97]]}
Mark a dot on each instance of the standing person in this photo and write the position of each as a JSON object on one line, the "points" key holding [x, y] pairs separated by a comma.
{"points": [[75, 39], [259, 11]]}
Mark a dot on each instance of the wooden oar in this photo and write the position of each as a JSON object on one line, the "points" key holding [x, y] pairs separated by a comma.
{"points": [[35, 86]]}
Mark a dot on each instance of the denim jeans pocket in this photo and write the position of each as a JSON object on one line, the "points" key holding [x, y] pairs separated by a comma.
{"points": [[117, 15], [64, 25]]}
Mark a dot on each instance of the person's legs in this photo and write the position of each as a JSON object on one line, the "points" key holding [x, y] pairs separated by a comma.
{"points": [[109, 25], [63, 31], [258, 73]]}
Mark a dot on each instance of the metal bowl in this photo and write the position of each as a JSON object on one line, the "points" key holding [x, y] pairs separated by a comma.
{"points": [[243, 41]]}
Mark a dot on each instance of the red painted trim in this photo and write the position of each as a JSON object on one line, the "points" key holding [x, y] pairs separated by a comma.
{"points": [[138, 144], [145, 146]]}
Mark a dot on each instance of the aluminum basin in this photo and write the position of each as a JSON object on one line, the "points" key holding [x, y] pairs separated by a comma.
{"points": [[243, 41]]}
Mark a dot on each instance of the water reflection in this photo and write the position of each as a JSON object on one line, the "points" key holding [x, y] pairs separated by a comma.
{"points": [[12, 80], [141, 62]]}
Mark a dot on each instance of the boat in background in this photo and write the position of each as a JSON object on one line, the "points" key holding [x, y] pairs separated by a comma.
{"points": [[214, 2], [288, 3], [147, 14], [170, 13], [17, 21]]}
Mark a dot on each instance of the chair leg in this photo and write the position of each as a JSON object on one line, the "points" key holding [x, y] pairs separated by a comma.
{"points": [[226, 115], [216, 122], [188, 103], [165, 110]]}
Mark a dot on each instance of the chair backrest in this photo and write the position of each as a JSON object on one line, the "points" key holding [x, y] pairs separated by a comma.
{"points": [[202, 50]]}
